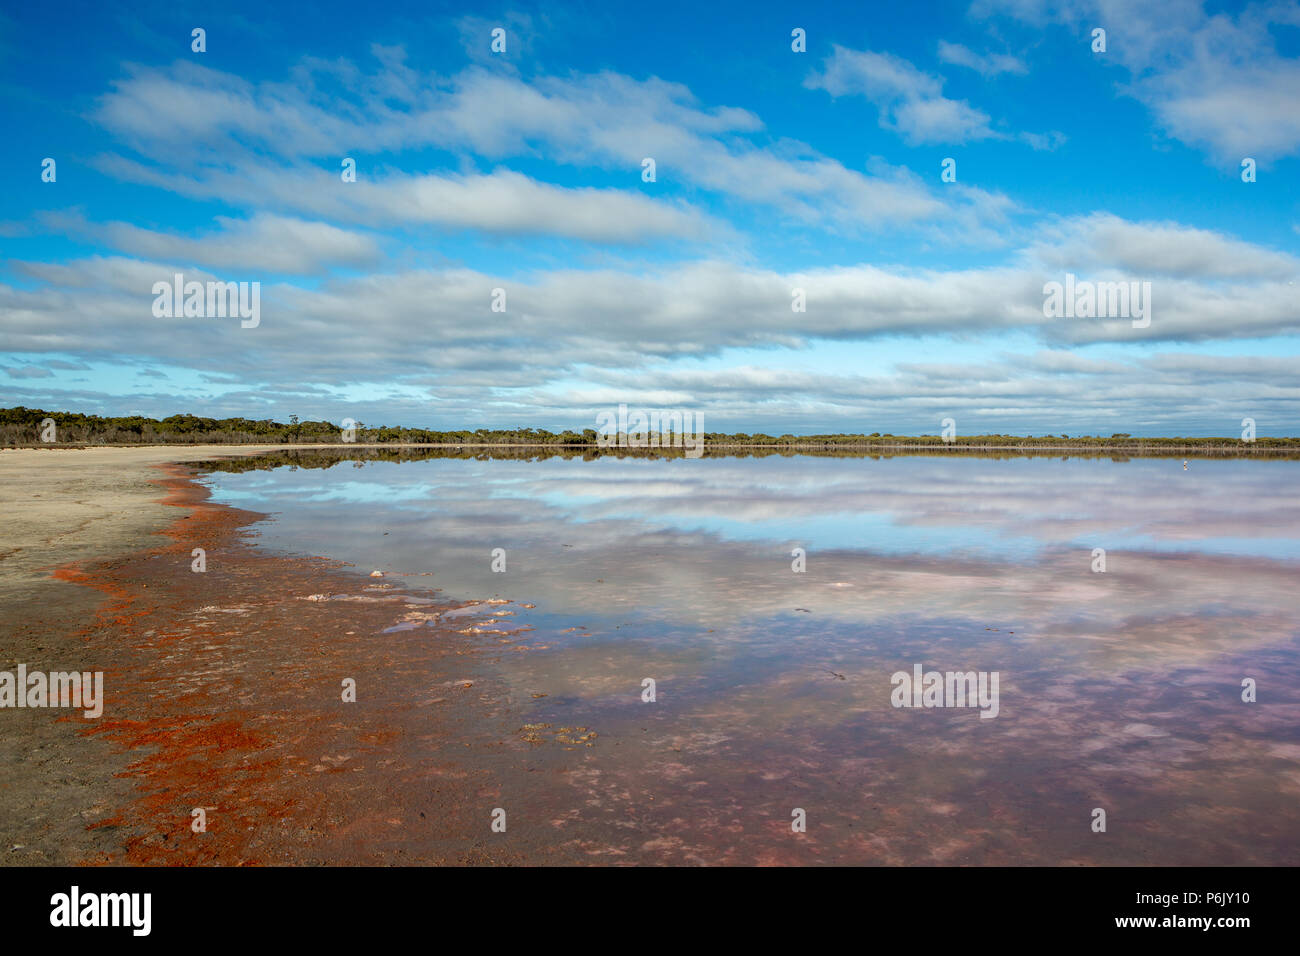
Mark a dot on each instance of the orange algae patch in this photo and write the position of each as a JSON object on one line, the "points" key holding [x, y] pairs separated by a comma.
{"points": [[238, 715]]}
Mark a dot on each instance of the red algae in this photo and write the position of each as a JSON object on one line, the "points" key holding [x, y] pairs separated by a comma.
{"points": [[241, 748]]}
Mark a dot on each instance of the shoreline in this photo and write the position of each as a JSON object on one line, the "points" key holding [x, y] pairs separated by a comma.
{"points": [[84, 509], [222, 691], [1141, 449]]}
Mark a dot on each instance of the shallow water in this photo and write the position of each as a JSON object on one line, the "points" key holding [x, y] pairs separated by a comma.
{"points": [[1119, 690]]}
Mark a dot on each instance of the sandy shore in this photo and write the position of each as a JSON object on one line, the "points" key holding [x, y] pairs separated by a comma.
{"points": [[222, 689], [61, 506], [81, 504]]}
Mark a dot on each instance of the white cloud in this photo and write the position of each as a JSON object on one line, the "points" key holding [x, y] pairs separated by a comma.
{"points": [[1215, 82], [435, 325], [264, 241], [911, 102], [258, 137], [989, 64], [501, 202], [1151, 249]]}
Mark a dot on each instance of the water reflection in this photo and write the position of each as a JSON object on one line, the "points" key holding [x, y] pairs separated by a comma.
{"points": [[1119, 689]]}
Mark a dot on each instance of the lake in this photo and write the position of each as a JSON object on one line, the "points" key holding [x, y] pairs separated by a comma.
{"points": [[1121, 605]]}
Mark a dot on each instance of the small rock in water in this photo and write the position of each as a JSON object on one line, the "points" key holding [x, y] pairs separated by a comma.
{"points": [[376, 574]]}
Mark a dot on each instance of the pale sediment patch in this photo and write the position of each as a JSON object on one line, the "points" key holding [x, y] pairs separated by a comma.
{"points": [[64, 506], [83, 504]]}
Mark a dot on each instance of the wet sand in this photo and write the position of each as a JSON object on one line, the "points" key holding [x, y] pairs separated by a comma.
{"points": [[224, 688], [62, 506]]}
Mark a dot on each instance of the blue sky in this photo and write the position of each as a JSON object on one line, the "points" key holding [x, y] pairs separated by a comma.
{"points": [[776, 170]]}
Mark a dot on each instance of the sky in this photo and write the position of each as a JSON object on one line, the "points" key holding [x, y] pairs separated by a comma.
{"points": [[850, 222]]}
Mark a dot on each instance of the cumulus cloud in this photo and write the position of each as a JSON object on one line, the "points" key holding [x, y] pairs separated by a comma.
{"points": [[1179, 392], [911, 102], [604, 120], [1217, 82], [1160, 249], [436, 326], [421, 344], [502, 202], [264, 241], [987, 64]]}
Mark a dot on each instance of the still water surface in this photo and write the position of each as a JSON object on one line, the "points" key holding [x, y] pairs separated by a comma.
{"points": [[1120, 690]]}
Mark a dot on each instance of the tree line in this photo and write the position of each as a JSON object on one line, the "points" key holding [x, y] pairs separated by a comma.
{"points": [[26, 426]]}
